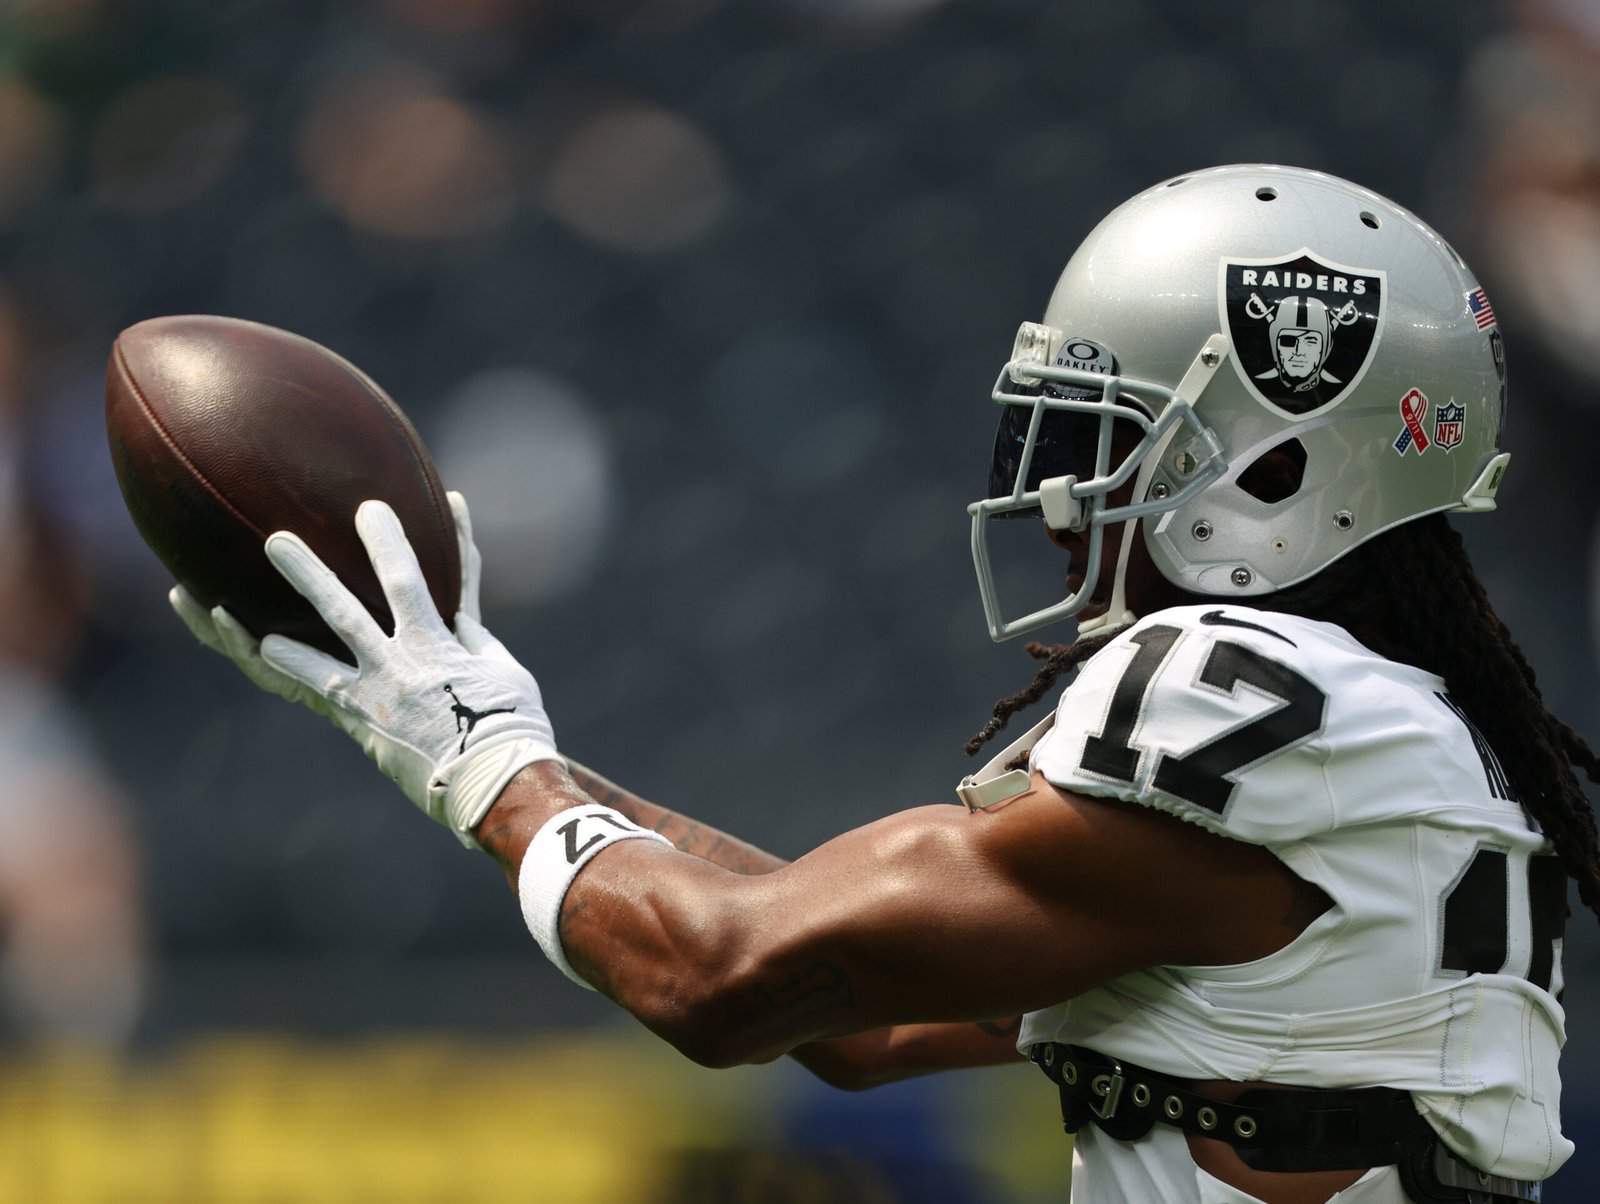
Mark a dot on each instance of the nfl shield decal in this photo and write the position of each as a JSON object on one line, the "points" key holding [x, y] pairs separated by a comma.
{"points": [[1303, 329], [1447, 423]]}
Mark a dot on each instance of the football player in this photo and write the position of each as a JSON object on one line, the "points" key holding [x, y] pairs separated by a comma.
{"points": [[1276, 889]]}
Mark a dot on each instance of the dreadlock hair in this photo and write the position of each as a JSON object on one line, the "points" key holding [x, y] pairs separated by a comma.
{"points": [[1058, 659], [1448, 627]]}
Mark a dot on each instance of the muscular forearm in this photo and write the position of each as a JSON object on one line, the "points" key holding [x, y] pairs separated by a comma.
{"points": [[857, 1062], [648, 928], [545, 788], [854, 1062], [687, 835]]}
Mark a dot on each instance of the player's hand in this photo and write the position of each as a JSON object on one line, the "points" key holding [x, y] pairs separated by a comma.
{"points": [[469, 625], [451, 717], [471, 559], [219, 631]]}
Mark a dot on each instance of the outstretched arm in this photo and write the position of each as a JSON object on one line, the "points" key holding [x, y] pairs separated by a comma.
{"points": [[862, 1060], [924, 923], [884, 936]]}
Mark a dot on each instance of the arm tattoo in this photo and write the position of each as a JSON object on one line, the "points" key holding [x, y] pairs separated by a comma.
{"points": [[495, 839], [822, 987], [687, 835], [592, 969], [607, 794]]}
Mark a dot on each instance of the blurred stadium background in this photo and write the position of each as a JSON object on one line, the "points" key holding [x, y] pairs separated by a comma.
{"points": [[699, 301]]}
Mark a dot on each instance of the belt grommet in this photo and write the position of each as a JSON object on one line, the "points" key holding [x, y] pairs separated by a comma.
{"points": [[1207, 1118], [1245, 1127], [1069, 1073], [1172, 1106], [1100, 1084], [1049, 1055], [1141, 1095]]}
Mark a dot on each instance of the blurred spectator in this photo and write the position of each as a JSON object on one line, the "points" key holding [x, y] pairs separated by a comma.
{"points": [[1538, 91], [71, 964], [70, 916]]}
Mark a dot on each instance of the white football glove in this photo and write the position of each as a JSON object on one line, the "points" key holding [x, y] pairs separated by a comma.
{"points": [[450, 717], [219, 631], [471, 559]]}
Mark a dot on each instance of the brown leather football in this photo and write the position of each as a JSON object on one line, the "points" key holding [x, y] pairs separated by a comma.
{"points": [[224, 431]]}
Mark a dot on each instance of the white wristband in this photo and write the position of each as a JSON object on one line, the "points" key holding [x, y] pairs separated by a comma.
{"points": [[566, 843]]}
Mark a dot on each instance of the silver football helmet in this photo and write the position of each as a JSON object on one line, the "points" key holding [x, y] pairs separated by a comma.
{"points": [[1214, 318]]}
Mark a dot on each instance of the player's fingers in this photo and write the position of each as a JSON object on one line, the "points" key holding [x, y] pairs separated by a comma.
{"points": [[318, 584], [471, 558], [236, 639], [395, 562], [476, 639], [307, 665], [245, 651], [196, 618]]}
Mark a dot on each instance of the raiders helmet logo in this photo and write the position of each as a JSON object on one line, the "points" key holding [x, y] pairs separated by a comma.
{"points": [[1303, 329]]}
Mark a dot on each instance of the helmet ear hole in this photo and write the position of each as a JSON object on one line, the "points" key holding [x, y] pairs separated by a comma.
{"points": [[1276, 474]]}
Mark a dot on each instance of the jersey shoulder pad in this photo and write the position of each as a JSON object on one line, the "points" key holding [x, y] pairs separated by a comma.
{"points": [[1213, 713]]}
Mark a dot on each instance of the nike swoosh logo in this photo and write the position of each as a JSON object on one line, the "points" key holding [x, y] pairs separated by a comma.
{"points": [[1215, 618]]}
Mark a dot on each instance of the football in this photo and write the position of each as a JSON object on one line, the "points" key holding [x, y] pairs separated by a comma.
{"points": [[223, 431]]}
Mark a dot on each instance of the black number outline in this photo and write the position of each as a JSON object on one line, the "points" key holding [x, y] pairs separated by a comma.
{"points": [[1547, 916], [1475, 916], [1112, 754], [1206, 776]]}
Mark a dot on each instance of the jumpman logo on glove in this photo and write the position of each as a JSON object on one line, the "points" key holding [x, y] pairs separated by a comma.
{"points": [[464, 712]]}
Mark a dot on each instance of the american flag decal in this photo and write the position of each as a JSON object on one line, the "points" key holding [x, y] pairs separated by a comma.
{"points": [[1482, 311]]}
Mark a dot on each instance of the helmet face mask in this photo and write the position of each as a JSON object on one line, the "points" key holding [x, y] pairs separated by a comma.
{"points": [[1067, 440], [1225, 314], [1062, 421]]}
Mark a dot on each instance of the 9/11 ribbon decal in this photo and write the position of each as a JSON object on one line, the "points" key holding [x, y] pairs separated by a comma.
{"points": [[1413, 408]]}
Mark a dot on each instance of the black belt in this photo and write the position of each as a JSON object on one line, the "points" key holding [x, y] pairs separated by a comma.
{"points": [[1272, 1130]]}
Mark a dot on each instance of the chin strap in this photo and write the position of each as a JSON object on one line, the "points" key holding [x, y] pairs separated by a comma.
{"points": [[1117, 614], [1190, 388]]}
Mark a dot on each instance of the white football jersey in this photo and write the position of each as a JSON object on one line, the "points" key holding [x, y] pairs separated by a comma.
{"points": [[1438, 967]]}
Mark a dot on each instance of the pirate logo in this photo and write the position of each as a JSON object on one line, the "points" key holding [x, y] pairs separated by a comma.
{"points": [[1303, 329]]}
